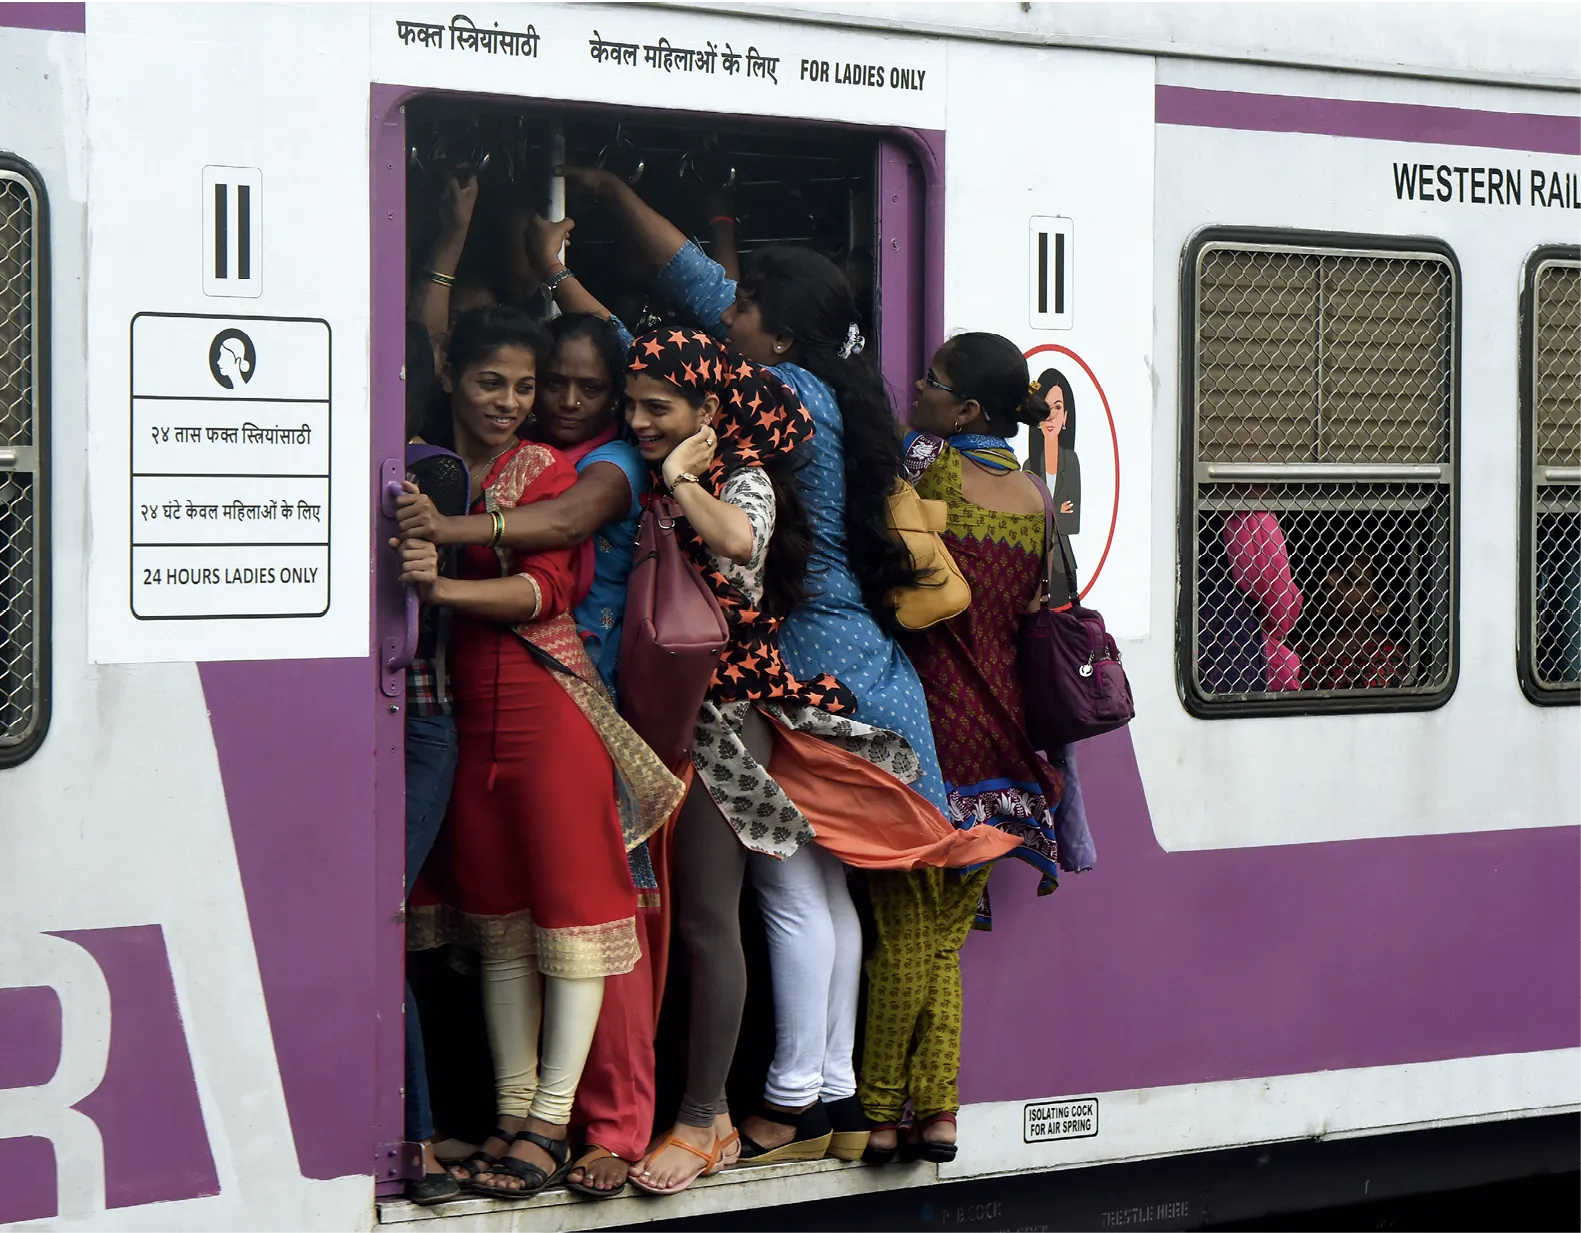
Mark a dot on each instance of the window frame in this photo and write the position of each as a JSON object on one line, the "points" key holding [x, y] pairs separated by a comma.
{"points": [[1537, 693], [19, 170], [1298, 702]]}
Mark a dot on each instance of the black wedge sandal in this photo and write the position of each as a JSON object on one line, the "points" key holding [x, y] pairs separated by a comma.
{"points": [[813, 1136], [532, 1176]]}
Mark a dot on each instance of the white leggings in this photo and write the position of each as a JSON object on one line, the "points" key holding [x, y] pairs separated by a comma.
{"points": [[516, 1001], [815, 962]]}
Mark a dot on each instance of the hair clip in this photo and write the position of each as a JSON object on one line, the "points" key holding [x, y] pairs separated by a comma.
{"points": [[1034, 387], [854, 342]]}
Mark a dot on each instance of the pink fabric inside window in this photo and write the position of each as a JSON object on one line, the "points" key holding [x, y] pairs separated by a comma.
{"points": [[1260, 568]]}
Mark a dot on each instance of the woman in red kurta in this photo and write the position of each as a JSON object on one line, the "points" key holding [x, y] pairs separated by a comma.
{"points": [[529, 869]]}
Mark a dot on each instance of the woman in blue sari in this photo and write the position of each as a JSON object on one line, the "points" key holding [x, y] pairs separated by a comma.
{"points": [[793, 311]]}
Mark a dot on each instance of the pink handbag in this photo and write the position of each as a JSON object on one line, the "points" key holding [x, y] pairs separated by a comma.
{"points": [[671, 639]]}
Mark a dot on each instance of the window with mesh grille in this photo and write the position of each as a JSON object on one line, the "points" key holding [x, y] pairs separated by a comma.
{"points": [[1550, 643], [1318, 520], [23, 670]]}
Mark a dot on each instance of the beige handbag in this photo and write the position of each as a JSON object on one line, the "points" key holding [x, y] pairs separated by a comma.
{"points": [[941, 591]]}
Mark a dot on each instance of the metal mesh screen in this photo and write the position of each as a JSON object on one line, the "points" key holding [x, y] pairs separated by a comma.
{"points": [[19, 568], [1323, 501], [1555, 534]]}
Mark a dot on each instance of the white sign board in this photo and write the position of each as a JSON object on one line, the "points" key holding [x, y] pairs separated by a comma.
{"points": [[1047, 1121], [230, 467], [649, 57]]}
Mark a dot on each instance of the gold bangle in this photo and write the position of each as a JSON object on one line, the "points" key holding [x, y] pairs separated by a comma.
{"points": [[444, 280]]}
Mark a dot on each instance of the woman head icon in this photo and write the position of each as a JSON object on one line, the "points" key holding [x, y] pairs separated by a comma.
{"points": [[232, 358]]}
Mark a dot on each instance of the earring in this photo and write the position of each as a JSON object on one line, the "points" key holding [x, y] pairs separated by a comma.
{"points": [[778, 347]]}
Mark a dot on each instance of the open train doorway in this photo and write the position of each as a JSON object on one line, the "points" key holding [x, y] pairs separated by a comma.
{"points": [[477, 172], [775, 183]]}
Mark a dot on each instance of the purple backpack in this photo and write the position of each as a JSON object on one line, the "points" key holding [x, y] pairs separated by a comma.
{"points": [[1072, 683]]}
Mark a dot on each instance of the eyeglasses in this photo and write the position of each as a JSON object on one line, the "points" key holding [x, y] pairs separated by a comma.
{"points": [[929, 379]]}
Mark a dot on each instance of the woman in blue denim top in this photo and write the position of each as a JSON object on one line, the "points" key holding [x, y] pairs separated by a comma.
{"points": [[793, 311]]}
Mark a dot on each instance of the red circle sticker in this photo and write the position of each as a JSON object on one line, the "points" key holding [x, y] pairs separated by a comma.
{"points": [[1066, 482]]}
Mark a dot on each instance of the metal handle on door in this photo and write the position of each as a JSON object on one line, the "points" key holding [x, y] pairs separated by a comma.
{"points": [[401, 656]]}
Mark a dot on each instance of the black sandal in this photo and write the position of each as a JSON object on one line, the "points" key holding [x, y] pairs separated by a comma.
{"points": [[480, 1161], [532, 1176], [432, 1188], [881, 1155], [922, 1148], [588, 1157], [811, 1142]]}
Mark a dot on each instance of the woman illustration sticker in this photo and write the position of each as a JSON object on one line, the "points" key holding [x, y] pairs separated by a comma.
{"points": [[1053, 453], [1058, 447]]}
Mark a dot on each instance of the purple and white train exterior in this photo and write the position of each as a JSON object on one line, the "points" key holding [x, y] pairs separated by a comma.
{"points": [[1298, 926]]}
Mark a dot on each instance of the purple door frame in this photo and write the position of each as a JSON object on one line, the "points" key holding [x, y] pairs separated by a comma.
{"points": [[917, 225]]}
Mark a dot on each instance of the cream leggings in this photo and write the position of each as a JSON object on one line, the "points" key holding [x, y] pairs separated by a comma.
{"points": [[517, 1001]]}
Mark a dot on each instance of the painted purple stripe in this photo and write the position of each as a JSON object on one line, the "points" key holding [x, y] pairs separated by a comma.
{"points": [[1334, 117], [27, 1166], [1162, 968], [295, 740], [68, 18], [156, 1147], [30, 1035]]}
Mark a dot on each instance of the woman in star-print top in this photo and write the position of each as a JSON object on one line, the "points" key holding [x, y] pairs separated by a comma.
{"points": [[721, 434]]}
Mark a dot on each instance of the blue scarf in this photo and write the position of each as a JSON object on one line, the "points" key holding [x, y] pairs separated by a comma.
{"points": [[989, 452]]}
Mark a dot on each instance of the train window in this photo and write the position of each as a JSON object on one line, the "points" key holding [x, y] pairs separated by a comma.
{"points": [[1318, 443], [24, 611], [1550, 637]]}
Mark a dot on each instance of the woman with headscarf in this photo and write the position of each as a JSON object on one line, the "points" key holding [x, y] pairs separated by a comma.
{"points": [[780, 766], [794, 313]]}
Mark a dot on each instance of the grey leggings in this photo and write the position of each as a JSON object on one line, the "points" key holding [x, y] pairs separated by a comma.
{"points": [[709, 866]]}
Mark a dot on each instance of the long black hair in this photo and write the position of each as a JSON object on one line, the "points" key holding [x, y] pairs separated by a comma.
{"points": [[1051, 378], [478, 334], [803, 296], [991, 369]]}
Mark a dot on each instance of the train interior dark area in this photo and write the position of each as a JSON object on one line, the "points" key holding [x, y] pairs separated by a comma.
{"points": [[784, 185]]}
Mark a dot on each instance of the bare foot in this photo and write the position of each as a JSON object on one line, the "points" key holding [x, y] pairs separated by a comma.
{"points": [[522, 1150], [599, 1168], [671, 1166]]}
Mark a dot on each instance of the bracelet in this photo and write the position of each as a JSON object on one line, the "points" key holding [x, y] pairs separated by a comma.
{"points": [[685, 477], [556, 279], [721, 218], [498, 519], [444, 280]]}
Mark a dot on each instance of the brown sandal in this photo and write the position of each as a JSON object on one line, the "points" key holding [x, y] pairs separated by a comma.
{"points": [[591, 1154]]}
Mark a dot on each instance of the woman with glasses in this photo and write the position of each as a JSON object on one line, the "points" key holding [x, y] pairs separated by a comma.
{"points": [[972, 400]]}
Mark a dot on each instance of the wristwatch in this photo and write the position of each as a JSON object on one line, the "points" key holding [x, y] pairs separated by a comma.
{"points": [[685, 477]]}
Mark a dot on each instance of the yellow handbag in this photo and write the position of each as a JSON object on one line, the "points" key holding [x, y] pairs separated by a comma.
{"points": [[941, 591]]}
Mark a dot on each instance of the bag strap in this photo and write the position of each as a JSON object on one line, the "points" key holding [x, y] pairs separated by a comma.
{"points": [[1052, 536]]}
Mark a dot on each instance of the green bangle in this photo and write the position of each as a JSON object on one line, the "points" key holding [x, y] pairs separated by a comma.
{"points": [[498, 519]]}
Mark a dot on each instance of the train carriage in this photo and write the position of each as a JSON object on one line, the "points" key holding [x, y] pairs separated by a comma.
{"points": [[1313, 278]]}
